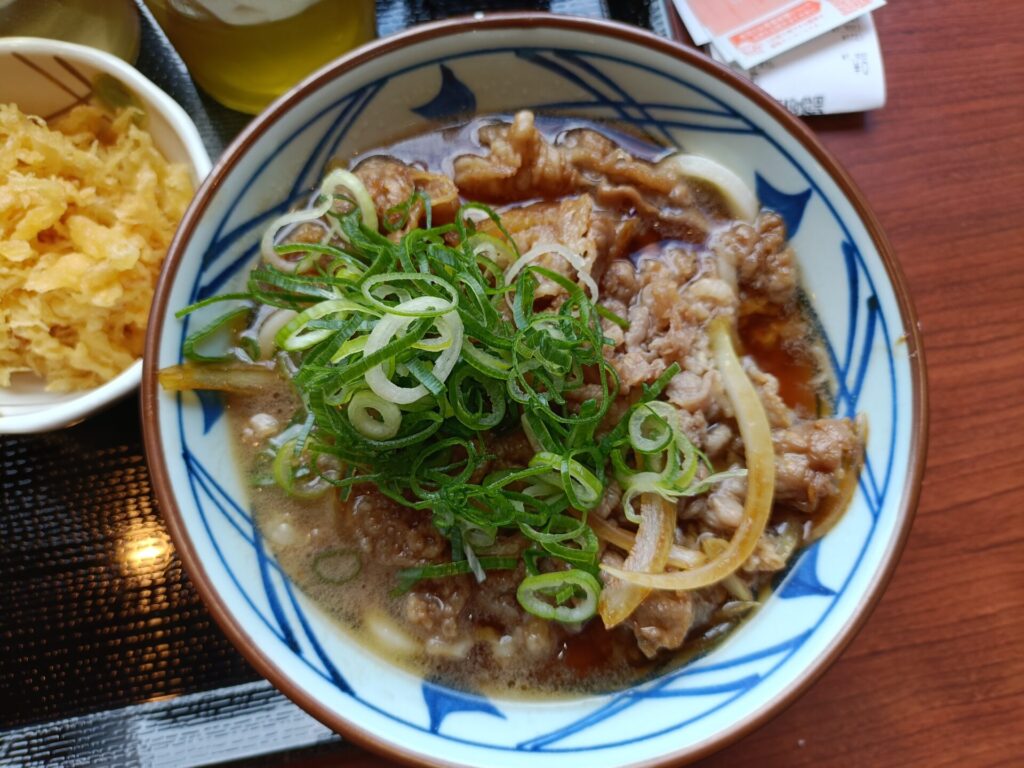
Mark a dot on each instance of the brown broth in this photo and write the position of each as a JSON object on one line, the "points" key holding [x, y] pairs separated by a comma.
{"points": [[792, 363], [437, 150]]}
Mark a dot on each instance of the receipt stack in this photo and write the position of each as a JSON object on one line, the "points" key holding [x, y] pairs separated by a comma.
{"points": [[815, 56]]}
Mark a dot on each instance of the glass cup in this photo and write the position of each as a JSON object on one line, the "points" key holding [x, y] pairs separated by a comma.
{"points": [[245, 53]]}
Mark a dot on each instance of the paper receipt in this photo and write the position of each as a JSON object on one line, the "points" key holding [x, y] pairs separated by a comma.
{"points": [[749, 32], [840, 71]]}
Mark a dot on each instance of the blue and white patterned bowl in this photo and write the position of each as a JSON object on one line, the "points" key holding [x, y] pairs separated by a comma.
{"points": [[437, 74]]}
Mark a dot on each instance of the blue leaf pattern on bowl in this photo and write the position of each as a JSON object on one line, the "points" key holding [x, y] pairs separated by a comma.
{"points": [[803, 579], [790, 207], [442, 702], [212, 404], [452, 100]]}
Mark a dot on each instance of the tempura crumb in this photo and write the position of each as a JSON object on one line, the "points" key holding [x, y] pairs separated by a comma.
{"points": [[88, 207]]}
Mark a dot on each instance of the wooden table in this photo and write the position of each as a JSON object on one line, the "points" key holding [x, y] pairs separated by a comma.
{"points": [[936, 677]]}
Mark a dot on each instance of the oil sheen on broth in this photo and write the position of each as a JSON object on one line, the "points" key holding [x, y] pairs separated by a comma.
{"points": [[474, 636]]}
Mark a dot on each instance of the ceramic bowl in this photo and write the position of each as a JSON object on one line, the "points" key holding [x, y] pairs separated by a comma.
{"points": [[439, 74], [45, 78]]}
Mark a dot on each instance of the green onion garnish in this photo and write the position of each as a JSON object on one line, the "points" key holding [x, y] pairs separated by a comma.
{"points": [[337, 566], [566, 596], [407, 355]]}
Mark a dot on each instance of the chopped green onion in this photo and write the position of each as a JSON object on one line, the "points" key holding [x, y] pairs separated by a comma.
{"points": [[337, 566], [348, 180], [607, 314], [653, 426], [409, 577], [582, 487], [224, 324], [393, 324], [295, 334], [565, 596], [383, 426], [557, 249], [403, 353], [470, 395], [406, 308], [494, 249], [296, 479], [485, 362], [211, 300], [424, 375]]}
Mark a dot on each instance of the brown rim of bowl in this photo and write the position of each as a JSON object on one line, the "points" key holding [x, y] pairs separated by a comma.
{"points": [[151, 428]]}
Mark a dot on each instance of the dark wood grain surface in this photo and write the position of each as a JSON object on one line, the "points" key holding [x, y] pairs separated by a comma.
{"points": [[936, 677]]}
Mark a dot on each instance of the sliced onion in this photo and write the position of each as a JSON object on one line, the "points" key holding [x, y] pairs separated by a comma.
{"points": [[734, 585], [649, 554], [391, 325], [760, 457], [348, 180], [678, 557], [359, 413], [574, 259], [742, 202]]}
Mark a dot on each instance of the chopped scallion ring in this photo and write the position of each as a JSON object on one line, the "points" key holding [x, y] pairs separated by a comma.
{"points": [[383, 426], [653, 426], [295, 334], [406, 308], [477, 401], [543, 249], [565, 596], [409, 577], [295, 479], [233, 318], [391, 325], [494, 249], [337, 566], [269, 329]]}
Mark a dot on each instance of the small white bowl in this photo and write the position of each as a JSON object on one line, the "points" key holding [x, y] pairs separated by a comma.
{"points": [[44, 77]]}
